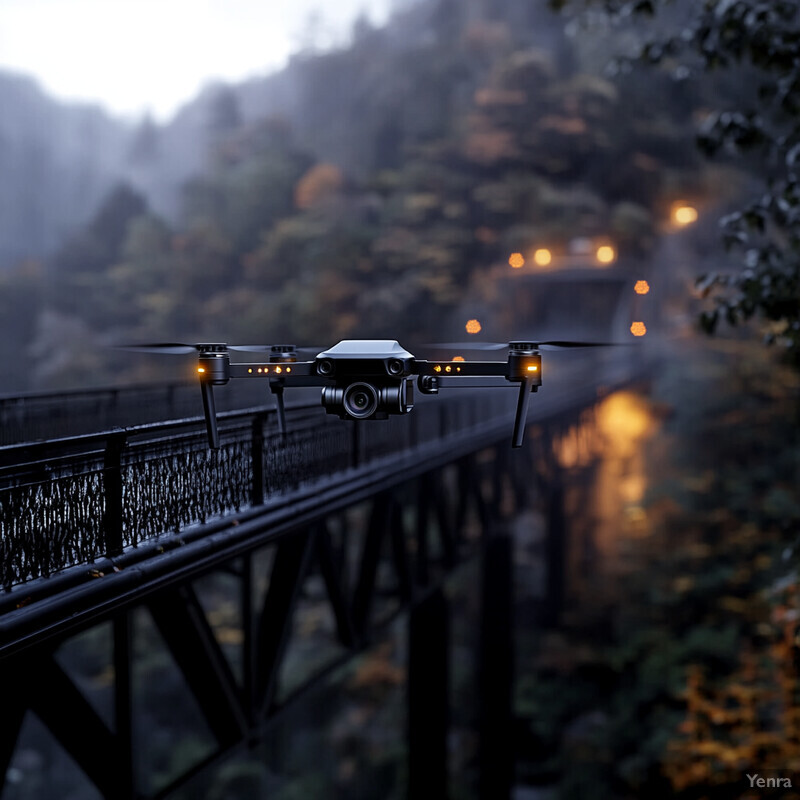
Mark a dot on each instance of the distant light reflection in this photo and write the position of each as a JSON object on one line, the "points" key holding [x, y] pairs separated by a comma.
{"points": [[542, 257], [683, 214], [606, 254], [638, 329], [473, 326]]}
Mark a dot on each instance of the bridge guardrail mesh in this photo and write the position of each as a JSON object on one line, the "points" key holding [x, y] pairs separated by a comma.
{"points": [[75, 501]]}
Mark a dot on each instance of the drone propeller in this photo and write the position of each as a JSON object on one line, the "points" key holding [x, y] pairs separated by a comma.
{"points": [[182, 348], [467, 345], [556, 344]]}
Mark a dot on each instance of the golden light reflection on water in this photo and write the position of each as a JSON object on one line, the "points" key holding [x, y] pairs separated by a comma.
{"points": [[625, 419], [606, 506]]}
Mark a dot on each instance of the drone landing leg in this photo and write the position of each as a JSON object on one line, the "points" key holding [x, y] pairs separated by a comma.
{"points": [[211, 414], [277, 389], [525, 389]]}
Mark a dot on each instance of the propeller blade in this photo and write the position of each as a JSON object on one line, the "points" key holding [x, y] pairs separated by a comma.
{"points": [[559, 344], [168, 348], [250, 348], [555, 344], [467, 345]]}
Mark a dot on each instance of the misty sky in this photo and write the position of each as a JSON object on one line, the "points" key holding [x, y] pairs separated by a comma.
{"points": [[138, 55]]}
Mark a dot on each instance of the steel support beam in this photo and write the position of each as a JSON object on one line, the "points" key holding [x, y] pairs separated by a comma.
{"points": [[428, 696], [496, 671], [275, 624], [189, 637], [73, 722]]}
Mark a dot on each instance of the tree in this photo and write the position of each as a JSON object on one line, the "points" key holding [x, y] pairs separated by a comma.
{"points": [[756, 42]]}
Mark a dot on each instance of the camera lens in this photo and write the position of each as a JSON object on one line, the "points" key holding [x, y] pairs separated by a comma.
{"points": [[325, 366], [395, 366], [361, 400]]}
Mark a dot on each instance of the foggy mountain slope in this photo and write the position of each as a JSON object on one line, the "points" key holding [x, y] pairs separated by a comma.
{"points": [[57, 160], [358, 106]]}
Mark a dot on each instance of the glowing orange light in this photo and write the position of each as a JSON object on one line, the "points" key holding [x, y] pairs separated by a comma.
{"points": [[250, 370], [200, 369], [606, 254], [638, 329], [448, 368], [473, 326], [642, 287], [516, 260], [288, 369], [684, 215], [260, 370], [437, 368], [278, 370], [533, 368], [542, 257]]}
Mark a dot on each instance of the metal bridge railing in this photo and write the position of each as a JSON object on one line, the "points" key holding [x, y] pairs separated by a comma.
{"points": [[46, 415], [75, 500]]}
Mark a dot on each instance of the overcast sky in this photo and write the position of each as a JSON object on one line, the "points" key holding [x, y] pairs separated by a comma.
{"points": [[139, 55]]}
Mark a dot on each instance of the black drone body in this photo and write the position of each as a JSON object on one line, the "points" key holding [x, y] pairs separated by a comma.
{"points": [[366, 378]]}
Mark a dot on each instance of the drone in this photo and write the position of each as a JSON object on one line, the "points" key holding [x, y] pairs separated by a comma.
{"points": [[366, 378]]}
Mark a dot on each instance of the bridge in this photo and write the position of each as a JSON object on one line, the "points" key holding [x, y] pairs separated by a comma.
{"points": [[255, 574]]}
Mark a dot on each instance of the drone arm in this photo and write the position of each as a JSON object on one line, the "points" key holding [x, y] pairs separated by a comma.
{"points": [[298, 373], [455, 369], [211, 414]]}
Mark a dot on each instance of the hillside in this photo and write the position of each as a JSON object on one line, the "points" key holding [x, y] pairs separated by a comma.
{"points": [[360, 192], [56, 160]]}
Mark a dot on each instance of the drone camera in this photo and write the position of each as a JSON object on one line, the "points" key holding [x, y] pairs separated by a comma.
{"points": [[364, 400], [360, 400]]}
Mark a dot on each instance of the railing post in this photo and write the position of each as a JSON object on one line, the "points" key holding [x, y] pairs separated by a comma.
{"points": [[112, 483], [257, 456]]}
